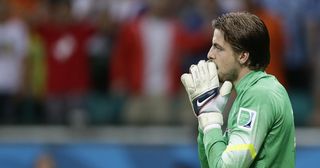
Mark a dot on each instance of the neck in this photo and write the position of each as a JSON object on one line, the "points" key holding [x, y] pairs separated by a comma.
{"points": [[243, 72]]}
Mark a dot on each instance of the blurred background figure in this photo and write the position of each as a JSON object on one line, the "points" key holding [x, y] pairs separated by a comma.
{"points": [[13, 47], [196, 15], [313, 52], [32, 106], [146, 64], [103, 106], [67, 71], [45, 161], [298, 56]]}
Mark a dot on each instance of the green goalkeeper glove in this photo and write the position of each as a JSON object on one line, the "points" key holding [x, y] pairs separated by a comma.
{"points": [[207, 99]]}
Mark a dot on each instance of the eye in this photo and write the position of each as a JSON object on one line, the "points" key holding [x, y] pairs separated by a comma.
{"points": [[217, 47]]}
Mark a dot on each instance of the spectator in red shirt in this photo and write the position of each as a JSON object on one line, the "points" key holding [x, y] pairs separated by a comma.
{"points": [[67, 63], [146, 62]]}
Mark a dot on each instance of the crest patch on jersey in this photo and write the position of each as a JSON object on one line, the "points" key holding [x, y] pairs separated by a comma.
{"points": [[246, 118]]}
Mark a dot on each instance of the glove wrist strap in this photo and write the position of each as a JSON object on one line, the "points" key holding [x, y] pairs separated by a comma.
{"points": [[210, 127], [210, 120]]}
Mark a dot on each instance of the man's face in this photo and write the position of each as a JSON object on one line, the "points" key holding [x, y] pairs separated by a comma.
{"points": [[224, 57]]}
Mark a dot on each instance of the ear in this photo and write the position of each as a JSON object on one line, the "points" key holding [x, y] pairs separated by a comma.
{"points": [[244, 57]]}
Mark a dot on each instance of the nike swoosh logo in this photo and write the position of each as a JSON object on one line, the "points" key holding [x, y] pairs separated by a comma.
{"points": [[199, 104], [203, 99]]}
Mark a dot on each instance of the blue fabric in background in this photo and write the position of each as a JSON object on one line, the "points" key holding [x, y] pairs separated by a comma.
{"points": [[120, 156]]}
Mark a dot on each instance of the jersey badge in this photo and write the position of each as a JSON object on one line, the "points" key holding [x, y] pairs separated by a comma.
{"points": [[246, 118]]}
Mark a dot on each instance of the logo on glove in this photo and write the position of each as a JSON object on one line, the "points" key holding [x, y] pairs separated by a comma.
{"points": [[204, 99]]}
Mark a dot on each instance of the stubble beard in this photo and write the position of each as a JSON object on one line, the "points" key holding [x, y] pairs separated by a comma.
{"points": [[231, 76]]}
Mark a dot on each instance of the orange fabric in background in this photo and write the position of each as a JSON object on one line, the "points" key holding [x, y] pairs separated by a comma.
{"points": [[277, 45], [23, 7]]}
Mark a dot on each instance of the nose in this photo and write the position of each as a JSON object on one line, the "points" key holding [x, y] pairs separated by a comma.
{"points": [[210, 54]]}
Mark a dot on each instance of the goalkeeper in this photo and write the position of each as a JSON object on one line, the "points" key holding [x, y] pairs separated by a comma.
{"points": [[260, 128]]}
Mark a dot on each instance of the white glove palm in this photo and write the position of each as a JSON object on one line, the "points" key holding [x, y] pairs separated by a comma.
{"points": [[202, 86]]}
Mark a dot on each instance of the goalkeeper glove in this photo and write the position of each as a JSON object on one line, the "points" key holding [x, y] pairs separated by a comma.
{"points": [[207, 99]]}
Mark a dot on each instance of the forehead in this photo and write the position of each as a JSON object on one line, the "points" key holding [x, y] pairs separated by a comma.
{"points": [[218, 37]]}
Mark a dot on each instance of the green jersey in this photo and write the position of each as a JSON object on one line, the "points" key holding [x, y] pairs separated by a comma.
{"points": [[260, 131]]}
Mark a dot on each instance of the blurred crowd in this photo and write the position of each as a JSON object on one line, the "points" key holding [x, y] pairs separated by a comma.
{"points": [[119, 62]]}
